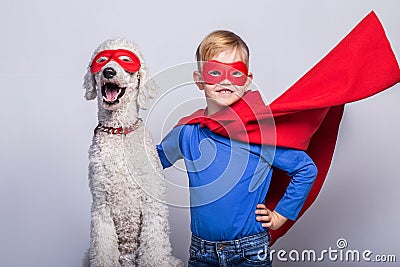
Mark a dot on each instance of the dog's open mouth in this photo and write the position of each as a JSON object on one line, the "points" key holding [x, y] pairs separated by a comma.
{"points": [[112, 93]]}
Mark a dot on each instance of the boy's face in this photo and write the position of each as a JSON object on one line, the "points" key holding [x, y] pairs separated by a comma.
{"points": [[225, 92]]}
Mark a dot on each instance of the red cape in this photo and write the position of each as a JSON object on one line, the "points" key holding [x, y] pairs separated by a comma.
{"points": [[308, 114]]}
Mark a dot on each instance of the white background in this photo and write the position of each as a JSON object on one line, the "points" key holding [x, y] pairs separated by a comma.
{"points": [[46, 125]]}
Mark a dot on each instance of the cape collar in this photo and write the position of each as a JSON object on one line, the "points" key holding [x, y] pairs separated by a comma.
{"points": [[247, 120]]}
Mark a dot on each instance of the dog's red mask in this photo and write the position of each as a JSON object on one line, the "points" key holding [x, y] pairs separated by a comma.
{"points": [[125, 58], [214, 72]]}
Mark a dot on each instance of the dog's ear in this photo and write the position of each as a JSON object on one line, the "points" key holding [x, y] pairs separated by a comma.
{"points": [[89, 84], [147, 88]]}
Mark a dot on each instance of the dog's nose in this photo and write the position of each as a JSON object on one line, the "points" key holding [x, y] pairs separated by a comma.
{"points": [[109, 73]]}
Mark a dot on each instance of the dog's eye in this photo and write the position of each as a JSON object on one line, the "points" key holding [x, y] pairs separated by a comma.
{"points": [[101, 59], [125, 58]]}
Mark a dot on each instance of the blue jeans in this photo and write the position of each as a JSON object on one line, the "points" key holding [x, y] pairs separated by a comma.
{"points": [[248, 251]]}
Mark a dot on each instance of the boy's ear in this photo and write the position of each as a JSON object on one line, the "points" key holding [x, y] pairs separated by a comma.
{"points": [[249, 79], [198, 80]]}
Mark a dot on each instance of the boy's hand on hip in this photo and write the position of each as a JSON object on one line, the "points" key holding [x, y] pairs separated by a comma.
{"points": [[268, 218]]}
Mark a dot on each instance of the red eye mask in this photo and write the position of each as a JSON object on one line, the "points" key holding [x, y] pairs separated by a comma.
{"points": [[125, 58], [214, 72]]}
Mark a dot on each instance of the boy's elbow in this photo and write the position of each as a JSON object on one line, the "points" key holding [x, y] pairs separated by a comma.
{"points": [[313, 171]]}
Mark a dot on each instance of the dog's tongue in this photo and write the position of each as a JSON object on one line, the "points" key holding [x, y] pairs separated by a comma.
{"points": [[111, 94]]}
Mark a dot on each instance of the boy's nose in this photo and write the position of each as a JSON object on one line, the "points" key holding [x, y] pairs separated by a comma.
{"points": [[226, 82]]}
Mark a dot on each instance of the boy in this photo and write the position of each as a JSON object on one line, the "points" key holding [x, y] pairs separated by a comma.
{"points": [[229, 179]]}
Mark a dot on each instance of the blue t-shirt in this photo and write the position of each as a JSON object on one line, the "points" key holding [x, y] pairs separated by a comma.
{"points": [[228, 178]]}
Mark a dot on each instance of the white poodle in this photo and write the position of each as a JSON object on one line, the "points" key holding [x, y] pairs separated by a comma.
{"points": [[129, 221]]}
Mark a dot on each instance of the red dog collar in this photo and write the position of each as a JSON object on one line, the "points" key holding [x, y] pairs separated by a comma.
{"points": [[119, 130], [125, 58], [214, 72]]}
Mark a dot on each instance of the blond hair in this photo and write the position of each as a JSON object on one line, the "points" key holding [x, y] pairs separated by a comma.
{"points": [[218, 41]]}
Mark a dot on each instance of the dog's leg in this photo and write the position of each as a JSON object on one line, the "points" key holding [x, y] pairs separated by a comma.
{"points": [[85, 260], [155, 247], [103, 251]]}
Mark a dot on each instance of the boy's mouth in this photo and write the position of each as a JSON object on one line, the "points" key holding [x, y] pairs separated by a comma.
{"points": [[225, 91]]}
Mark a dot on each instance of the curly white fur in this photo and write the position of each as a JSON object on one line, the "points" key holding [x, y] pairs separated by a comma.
{"points": [[129, 225]]}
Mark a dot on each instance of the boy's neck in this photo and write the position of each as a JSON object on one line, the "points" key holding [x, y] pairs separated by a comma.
{"points": [[210, 111], [212, 108]]}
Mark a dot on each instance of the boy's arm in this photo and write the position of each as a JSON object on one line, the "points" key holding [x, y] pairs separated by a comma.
{"points": [[303, 171], [169, 150]]}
